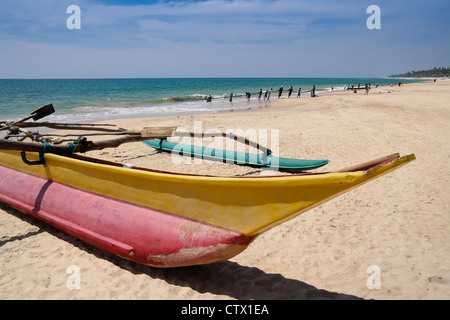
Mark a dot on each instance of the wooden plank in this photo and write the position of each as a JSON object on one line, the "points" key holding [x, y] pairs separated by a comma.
{"points": [[85, 145]]}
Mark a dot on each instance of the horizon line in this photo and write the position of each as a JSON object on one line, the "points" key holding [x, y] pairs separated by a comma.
{"points": [[243, 77]]}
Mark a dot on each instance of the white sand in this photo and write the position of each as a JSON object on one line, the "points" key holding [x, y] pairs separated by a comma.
{"points": [[398, 223]]}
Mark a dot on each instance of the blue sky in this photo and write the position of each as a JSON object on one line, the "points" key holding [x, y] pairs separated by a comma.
{"points": [[218, 38]]}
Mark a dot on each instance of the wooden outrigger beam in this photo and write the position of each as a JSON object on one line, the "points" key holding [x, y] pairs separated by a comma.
{"points": [[83, 145]]}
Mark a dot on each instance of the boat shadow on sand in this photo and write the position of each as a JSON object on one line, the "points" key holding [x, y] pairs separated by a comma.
{"points": [[225, 278]]}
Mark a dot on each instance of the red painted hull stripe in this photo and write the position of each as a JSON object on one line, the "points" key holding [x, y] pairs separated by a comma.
{"points": [[122, 228]]}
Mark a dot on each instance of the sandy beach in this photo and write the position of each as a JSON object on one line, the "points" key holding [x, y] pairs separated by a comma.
{"points": [[398, 224]]}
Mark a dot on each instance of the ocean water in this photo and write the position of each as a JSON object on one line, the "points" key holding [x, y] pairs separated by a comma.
{"points": [[89, 100]]}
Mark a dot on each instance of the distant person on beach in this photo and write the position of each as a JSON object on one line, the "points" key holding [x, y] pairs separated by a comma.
{"points": [[248, 95], [290, 92], [298, 93], [367, 89], [265, 94], [231, 97], [208, 98], [259, 93], [280, 91], [313, 91], [270, 92]]}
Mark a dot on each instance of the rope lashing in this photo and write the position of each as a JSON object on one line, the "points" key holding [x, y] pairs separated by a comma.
{"points": [[47, 148], [73, 147]]}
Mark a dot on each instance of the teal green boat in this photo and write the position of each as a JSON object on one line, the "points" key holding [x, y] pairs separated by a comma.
{"points": [[235, 157]]}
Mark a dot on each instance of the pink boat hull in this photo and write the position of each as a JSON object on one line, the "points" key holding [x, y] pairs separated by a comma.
{"points": [[144, 235]]}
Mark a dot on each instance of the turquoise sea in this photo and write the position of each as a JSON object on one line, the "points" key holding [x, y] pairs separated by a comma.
{"points": [[88, 100]]}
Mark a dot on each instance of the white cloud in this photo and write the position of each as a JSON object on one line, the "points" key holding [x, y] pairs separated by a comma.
{"points": [[236, 21]]}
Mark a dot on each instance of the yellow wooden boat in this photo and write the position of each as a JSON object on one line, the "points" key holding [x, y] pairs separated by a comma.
{"points": [[167, 219]]}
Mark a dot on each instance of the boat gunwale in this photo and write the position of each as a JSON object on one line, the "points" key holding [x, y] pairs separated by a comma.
{"points": [[364, 170]]}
